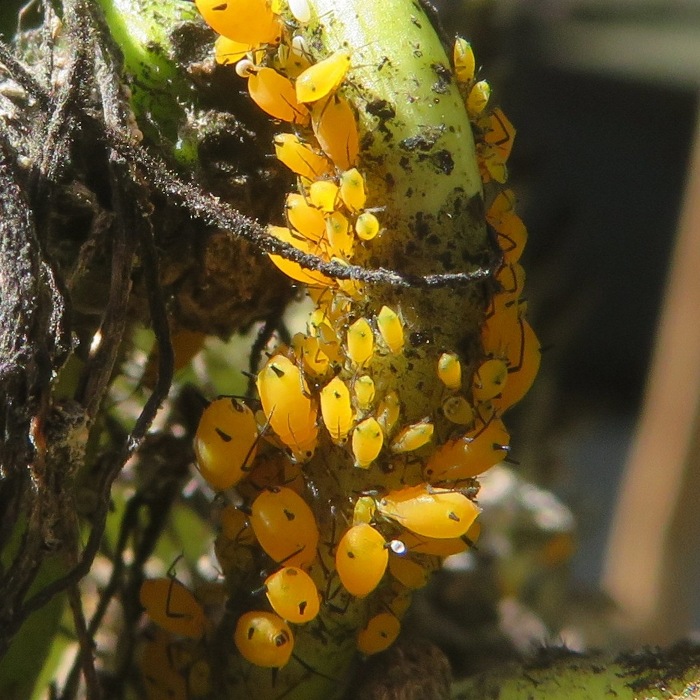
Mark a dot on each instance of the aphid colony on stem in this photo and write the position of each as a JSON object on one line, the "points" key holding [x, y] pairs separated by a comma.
{"points": [[357, 471]]}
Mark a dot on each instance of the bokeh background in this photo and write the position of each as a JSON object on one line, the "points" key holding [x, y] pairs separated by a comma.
{"points": [[604, 96]]}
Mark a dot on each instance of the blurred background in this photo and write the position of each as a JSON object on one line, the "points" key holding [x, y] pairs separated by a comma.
{"points": [[603, 94]]}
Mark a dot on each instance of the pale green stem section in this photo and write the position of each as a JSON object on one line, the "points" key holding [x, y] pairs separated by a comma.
{"points": [[143, 31], [657, 675], [418, 158]]}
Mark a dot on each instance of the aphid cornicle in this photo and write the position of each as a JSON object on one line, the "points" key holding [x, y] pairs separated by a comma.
{"points": [[429, 512], [225, 444], [285, 526], [293, 595], [361, 559], [264, 639]]}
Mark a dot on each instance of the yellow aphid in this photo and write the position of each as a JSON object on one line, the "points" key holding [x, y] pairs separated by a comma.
{"points": [[364, 510], [499, 133], [159, 670], [275, 94], [264, 639], [363, 388], [288, 409], [470, 455], [367, 441], [458, 410], [463, 59], [360, 342], [339, 235], [489, 379], [324, 194], [305, 218], [412, 437], [172, 607], [366, 226], [478, 98], [449, 370], [381, 632], [248, 21], [293, 269], [319, 327], [227, 51], [491, 164], [299, 157], [509, 227], [360, 559], [335, 127], [522, 368], [408, 572], [225, 443], [336, 409], [388, 412], [293, 595], [323, 77], [352, 190], [391, 329], [285, 526], [396, 598], [308, 350], [429, 512]]}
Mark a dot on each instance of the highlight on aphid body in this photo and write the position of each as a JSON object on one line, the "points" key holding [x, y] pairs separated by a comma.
{"points": [[355, 462]]}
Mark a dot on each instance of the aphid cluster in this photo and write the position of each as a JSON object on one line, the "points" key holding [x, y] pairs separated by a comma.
{"points": [[353, 492]]}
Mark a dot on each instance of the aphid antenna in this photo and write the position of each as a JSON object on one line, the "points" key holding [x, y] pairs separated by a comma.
{"points": [[171, 569]]}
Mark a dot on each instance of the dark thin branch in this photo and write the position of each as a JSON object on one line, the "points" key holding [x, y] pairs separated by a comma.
{"points": [[216, 213], [209, 209], [86, 651]]}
